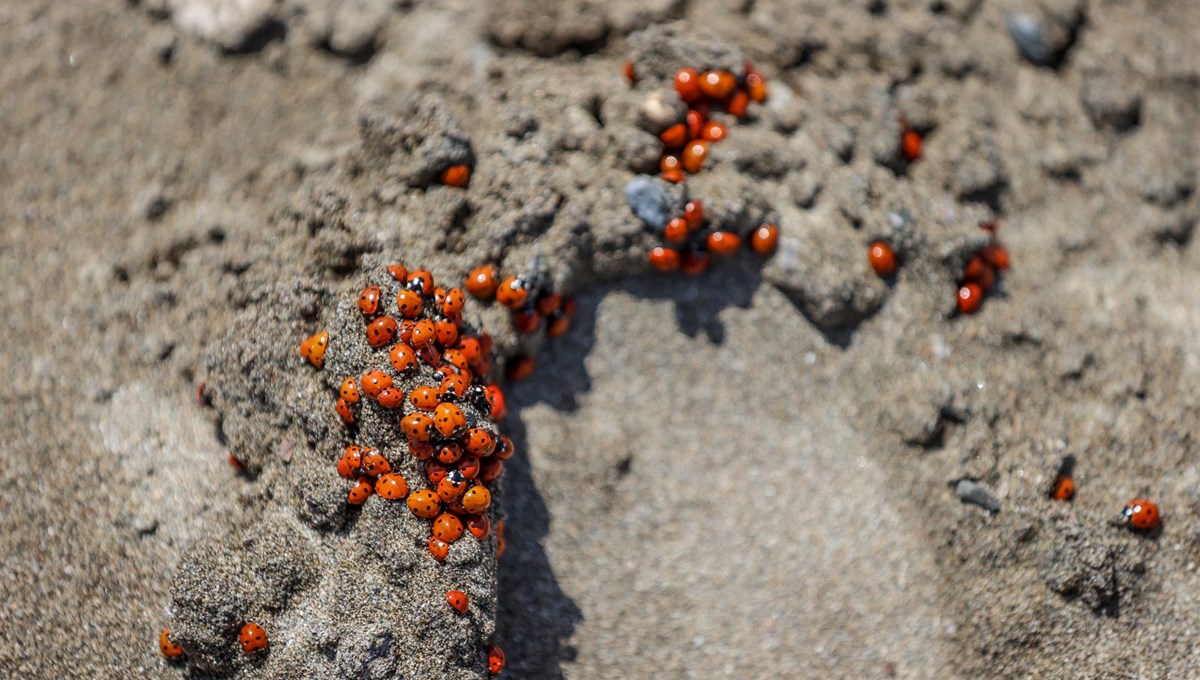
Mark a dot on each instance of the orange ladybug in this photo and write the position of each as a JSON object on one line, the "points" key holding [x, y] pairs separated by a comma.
{"points": [[481, 282], [409, 303], [447, 528], [381, 331], [764, 239], [391, 486], [717, 84], [374, 382], [349, 391], [491, 469], [723, 243], [520, 368], [368, 300], [436, 471], [479, 525], [674, 136], [450, 453], [1063, 487], [403, 358], [313, 349], [469, 467], [361, 491], [439, 549], [374, 464], [496, 658], [453, 387], [445, 332], [480, 442], [1142, 514], [694, 154], [421, 281], [504, 448], [391, 398], [421, 450], [970, 297], [456, 176], [512, 293], [687, 84], [452, 486], [350, 464], [424, 397], [449, 420], [458, 600], [168, 647], [693, 214], [418, 427], [477, 499], [676, 231], [343, 410], [252, 638], [882, 258], [397, 272], [910, 145], [424, 503], [423, 333], [664, 259]]}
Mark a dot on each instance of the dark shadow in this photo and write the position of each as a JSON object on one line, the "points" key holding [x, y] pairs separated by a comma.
{"points": [[536, 619]]}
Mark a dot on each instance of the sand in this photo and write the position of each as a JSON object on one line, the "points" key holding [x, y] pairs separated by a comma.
{"points": [[751, 473]]}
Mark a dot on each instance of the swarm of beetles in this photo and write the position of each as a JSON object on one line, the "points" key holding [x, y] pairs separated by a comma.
{"points": [[534, 306]]}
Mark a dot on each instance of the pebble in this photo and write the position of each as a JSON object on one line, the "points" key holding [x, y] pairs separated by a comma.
{"points": [[1026, 31], [977, 494], [652, 200]]}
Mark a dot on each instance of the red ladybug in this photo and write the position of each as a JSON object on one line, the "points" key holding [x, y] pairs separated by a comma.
{"points": [[168, 647], [381, 331], [368, 300], [496, 658], [361, 491], [458, 600], [403, 358], [1142, 514], [252, 638]]}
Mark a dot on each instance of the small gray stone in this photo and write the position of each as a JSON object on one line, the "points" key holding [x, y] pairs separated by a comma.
{"points": [[1026, 31], [976, 494], [653, 200]]}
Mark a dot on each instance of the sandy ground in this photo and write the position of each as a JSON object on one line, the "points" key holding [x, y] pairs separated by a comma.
{"points": [[746, 474]]}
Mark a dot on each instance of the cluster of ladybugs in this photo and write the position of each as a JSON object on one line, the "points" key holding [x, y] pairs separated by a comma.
{"points": [[686, 143], [695, 244], [531, 303], [424, 336], [979, 274], [1139, 514]]}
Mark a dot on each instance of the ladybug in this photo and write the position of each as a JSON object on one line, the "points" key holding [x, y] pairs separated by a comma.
{"points": [[1063, 488], [481, 282], [168, 647], [694, 154], [391, 486], [764, 239], [497, 409], [476, 499], [397, 272], [350, 464], [882, 258], [349, 391], [403, 358], [449, 453], [910, 145], [421, 450], [429, 354], [479, 525], [381, 331], [713, 131], [695, 122], [480, 442], [560, 322], [669, 165], [491, 469], [452, 487], [979, 270], [391, 398], [424, 503], [674, 136], [496, 658], [520, 368], [447, 528], [409, 303], [406, 329], [527, 320], [504, 448], [1142, 514], [717, 84], [368, 300], [436, 471], [418, 427], [970, 297], [456, 176], [313, 349], [695, 262], [458, 600], [664, 259], [253, 638], [439, 549], [628, 71], [469, 467], [756, 86], [420, 281], [687, 84], [445, 332], [471, 348], [374, 382], [996, 255], [374, 464], [676, 231], [458, 356], [343, 410], [737, 104], [361, 491], [449, 420], [723, 243], [453, 387], [424, 398], [693, 214], [512, 293], [423, 333]]}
